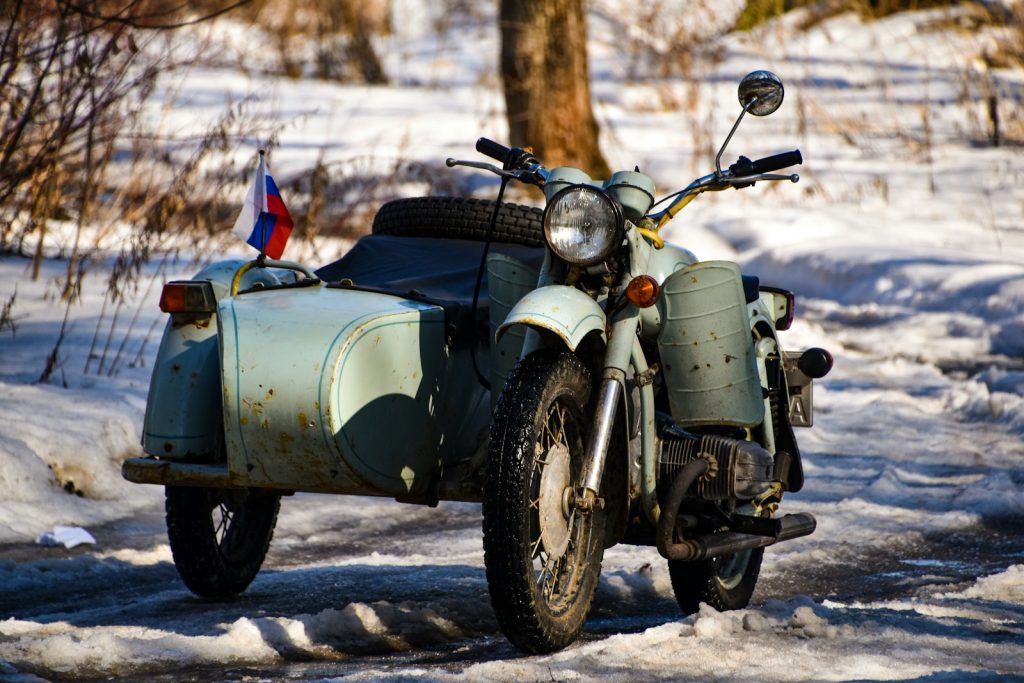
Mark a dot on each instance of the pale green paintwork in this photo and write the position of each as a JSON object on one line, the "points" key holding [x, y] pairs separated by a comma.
{"points": [[334, 390], [633, 191], [567, 312], [184, 391], [705, 348], [508, 281]]}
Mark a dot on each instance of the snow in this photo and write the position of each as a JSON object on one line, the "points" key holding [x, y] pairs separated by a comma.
{"points": [[906, 253]]}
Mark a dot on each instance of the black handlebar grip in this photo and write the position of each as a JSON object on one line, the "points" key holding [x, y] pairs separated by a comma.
{"points": [[494, 150], [776, 162]]}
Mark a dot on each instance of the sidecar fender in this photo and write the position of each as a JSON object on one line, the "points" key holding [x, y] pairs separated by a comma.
{"points": [[183, 409], [567, 312]]}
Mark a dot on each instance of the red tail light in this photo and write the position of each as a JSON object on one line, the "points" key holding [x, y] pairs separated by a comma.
{"points": [[188, 296]]}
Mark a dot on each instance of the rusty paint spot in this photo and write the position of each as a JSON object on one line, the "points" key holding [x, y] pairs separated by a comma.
{"points": [[265, 425], [283, 441], [695, 368], [244, 420], [304, 420], [729, 358], [269, 395]]}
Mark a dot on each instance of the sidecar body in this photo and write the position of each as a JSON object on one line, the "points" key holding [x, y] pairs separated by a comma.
{"points": [[361, 382]]}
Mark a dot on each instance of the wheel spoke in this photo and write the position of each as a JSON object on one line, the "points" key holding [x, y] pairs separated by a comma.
{"points": [[559, 436], [224, 524], [552, 570]]}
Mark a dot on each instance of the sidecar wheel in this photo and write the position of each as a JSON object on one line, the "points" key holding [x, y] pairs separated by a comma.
{"points": [[725, 583], [219, 537], [543, 557], [460, 218]]}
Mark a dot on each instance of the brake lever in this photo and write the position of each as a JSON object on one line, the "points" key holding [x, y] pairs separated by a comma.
{"points": [[727, 180], [483, 166], [534, 175]]}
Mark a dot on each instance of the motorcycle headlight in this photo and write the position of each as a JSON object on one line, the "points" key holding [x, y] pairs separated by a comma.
{"points": [[583, 225]]}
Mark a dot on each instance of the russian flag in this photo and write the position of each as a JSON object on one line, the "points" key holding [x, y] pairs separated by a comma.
{"points": [[264, 221]]}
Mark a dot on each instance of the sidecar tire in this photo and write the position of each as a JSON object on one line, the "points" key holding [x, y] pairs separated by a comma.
{"points": [[213, 567], [540, 618], [697, 582], [460, 218]]}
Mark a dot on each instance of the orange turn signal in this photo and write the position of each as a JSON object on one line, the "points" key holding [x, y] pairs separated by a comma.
{"points": [[643, 291]]}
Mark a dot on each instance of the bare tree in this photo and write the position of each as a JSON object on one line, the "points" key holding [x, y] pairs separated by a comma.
{"points": [[546, 80]]}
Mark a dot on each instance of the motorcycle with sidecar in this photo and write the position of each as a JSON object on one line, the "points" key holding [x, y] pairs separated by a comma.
{"points": [[587, 382]]}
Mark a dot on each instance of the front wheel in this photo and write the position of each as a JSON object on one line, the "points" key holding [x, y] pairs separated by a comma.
{"points": [[543, 556], [219, 537]]}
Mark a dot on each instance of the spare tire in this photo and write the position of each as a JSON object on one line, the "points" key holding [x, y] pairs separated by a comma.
{"points": [[460, 218]]}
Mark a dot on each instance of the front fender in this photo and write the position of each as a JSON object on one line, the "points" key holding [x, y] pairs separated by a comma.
{"points": [[567, 312]]}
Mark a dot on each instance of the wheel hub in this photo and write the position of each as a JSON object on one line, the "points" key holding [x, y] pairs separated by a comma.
{"points": [[552, 511]]}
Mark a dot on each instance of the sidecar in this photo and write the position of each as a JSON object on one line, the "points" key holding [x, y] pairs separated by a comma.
{"points": [[360, 378]]}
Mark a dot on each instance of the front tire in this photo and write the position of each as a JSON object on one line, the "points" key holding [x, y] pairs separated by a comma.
{"points": [[219, 537], [543, 557]]}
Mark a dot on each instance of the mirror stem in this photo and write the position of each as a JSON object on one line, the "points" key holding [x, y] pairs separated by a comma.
{"points": [[718, 158]]}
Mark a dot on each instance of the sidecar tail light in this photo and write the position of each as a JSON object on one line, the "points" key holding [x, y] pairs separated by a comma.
{"points": [[187, 296], [643, 291]]}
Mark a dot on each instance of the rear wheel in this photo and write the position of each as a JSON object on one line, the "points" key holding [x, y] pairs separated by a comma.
{"points": [[725, 583], [543, 556], [219, 537]]}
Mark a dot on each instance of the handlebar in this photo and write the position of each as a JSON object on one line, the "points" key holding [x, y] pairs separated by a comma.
{"points": [[777, 162], [516, 163], [494, 150]]}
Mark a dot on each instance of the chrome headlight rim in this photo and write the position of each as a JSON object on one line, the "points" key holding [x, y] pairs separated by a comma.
{"points": [[617, 233]]}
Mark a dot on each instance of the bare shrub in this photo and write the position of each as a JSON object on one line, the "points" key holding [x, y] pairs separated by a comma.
{"points": [[756, 12], [7, 319]]}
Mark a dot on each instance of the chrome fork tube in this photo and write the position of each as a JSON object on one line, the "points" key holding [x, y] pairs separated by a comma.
{"points": [[601, 436], [622, 334]]}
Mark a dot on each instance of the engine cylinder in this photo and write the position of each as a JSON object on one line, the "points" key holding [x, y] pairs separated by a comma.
{"points": [[739, 469]]}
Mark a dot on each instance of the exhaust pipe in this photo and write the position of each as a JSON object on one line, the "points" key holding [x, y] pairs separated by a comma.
{"points": [[714, 545]]}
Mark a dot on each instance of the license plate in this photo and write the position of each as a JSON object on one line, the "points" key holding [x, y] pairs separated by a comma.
{"points": [[801, 403]]}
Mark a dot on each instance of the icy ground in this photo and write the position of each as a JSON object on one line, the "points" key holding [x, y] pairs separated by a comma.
{"points": [[904, 243]]}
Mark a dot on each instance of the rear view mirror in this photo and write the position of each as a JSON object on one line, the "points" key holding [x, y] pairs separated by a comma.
{"points": [[761, 92]]}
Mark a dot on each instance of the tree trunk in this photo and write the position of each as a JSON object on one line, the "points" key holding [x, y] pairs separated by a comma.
{"points": [[547, 88]]}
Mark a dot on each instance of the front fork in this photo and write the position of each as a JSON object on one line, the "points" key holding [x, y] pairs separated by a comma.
{"points": [[621, 340], [623, 349]]}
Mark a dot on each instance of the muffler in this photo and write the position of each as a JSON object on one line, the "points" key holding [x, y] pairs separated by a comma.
{"points": [[714, 545]]}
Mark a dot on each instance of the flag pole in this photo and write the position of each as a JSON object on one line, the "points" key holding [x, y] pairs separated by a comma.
{"points": [[261, 174]]}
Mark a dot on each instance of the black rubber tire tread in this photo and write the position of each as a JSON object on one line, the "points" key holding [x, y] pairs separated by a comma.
{"points": [[697, 582], [208, 568], [460, 218], [524, 619]]}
